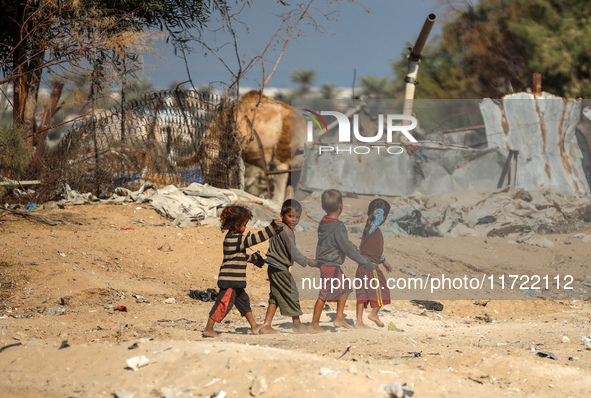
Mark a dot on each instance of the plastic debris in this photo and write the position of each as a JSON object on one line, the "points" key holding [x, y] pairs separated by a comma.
{"points": [[326, 372], [140, 299], [124, 394], [205, 296], [547, 354], [64, 345], [170, 300], [396, 390], [259, 386], [392, 327], [137, 362], [120, 308], [428, 305], [31, 206], [586, 340], [56, 310]]}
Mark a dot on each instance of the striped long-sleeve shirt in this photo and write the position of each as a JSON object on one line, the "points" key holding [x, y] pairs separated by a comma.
{"points": [[233, 270]]}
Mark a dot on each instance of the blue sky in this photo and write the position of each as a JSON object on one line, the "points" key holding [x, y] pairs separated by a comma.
{"points": [[366, 35]]}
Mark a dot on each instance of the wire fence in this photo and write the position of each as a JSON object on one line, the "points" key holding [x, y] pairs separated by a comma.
{"points": [[166, 137]]}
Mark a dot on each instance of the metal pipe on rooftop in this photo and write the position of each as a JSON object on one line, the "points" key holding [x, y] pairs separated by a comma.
{"points": [[414, 60]]}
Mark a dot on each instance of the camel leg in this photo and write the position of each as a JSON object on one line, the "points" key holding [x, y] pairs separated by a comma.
{"points": [[280, 183]]}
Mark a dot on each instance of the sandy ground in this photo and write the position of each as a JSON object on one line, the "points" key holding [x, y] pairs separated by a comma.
{"points": [[109, 255]]}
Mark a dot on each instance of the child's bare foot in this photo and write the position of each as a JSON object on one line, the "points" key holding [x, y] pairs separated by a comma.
{"points": [[210, 333], [361, 326], [301, 328], [316, 329], [267, 329], [342, 323], [376, 320], [257, 328]]}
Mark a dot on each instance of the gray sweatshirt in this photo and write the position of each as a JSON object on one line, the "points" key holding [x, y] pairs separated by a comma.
{"points": [[283, 250], [334, 245]]}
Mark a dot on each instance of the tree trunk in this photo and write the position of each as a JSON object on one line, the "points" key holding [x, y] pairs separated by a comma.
{"points": [[19, 60], [50, 110], [34, 72]]}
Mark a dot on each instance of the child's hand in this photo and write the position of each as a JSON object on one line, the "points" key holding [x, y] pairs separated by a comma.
{"points": [[257, 259], [313, 263], [277, 222], [387, 266]]}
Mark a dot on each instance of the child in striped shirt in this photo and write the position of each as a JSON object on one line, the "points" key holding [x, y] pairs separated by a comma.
{"points": [[232, 276]]}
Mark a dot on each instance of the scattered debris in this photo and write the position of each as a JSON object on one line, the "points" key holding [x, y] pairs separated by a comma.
{"points": [[206, 296], [396, 390], [547, 354], [346, 351], [170, 300], [120, 308], [31, 216], [9, 346], [326, 372], [392, 327], [565, 339], [259, 386], [353, 369], [539, 242], [428, 305], [138, 362], [55, 310], [165, 248], [140, 299], [124, 394], [586, 340], [133, 346], [486, 220], [64, 345]]}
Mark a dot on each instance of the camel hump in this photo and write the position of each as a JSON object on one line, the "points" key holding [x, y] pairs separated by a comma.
{"points": [[253, 96]]}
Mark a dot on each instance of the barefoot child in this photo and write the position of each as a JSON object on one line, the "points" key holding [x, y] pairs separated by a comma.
{"points": [[333, 246], [232, 276], [283, 252], [375, 293]]}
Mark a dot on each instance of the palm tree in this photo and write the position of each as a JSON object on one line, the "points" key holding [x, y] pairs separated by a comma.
{"points": [[328, 91], [376, 87], [305, 78]]}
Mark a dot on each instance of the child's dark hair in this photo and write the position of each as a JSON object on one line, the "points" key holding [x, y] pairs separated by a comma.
{"points": [[378, 204], [291, 204], [331, 199], [233, 217]]}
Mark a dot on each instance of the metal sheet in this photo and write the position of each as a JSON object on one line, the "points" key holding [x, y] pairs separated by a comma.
{"points": [[542, 128]]}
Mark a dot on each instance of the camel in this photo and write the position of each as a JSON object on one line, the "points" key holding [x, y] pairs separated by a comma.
{"points": [[280, 128]]}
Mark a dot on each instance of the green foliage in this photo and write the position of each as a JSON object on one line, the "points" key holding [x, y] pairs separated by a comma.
{"points": [[376, 87], [14, 154], [328, 91], [493, 48], [305, 78]]}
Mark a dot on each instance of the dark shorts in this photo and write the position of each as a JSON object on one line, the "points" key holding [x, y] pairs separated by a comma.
{"points": [[374, 290], [227, 298], [284, 292], [334, 284]]}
